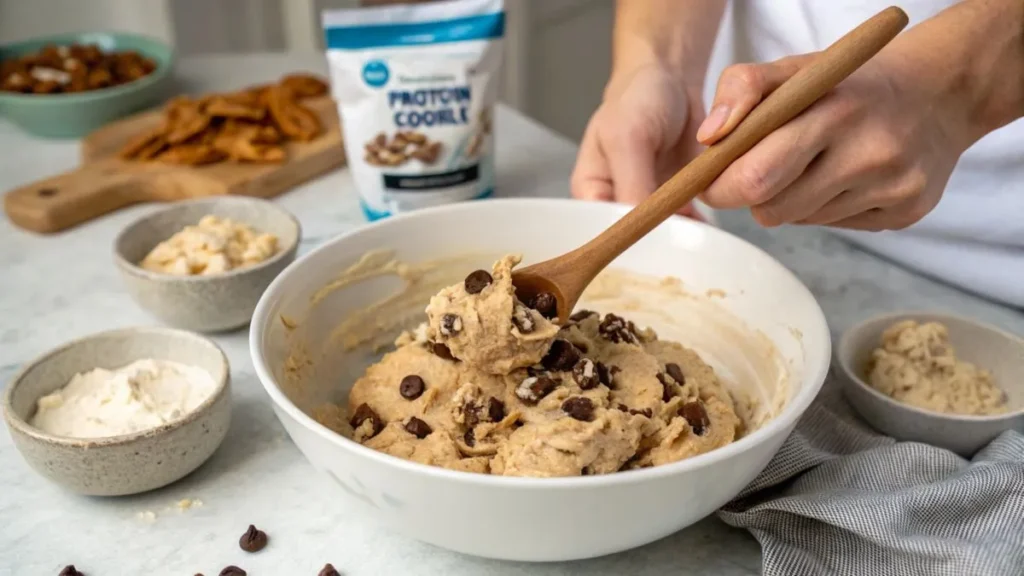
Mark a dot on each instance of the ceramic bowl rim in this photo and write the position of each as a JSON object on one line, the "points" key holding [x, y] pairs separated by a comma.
{"points": [[818, 362], [892, 317], [222, 385], [283, 252], [162, 70]]}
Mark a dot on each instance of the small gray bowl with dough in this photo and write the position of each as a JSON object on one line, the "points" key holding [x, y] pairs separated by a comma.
{"points": [[215, 303], [986, 346], [129, 463]]}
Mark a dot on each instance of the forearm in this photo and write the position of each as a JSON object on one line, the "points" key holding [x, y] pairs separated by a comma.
{"points": [[676, 34], [972, 57]]}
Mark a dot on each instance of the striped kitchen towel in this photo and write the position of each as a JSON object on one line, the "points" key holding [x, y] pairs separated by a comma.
{"points": [[840, 499]]}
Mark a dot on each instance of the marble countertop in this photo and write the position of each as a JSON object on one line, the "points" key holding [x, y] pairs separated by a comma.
{"points": [[57, 288]]}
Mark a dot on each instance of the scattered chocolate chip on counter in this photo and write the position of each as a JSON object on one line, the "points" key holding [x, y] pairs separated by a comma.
{"points": [[328, 570], [70, 570], [253, 540], [232, 571]]}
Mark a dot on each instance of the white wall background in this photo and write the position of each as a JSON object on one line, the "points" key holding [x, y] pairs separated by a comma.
{"points": [[558, 58]]}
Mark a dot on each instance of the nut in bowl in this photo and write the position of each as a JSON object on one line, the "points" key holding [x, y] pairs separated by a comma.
{"points": [[68, 85], [203, 264], [957, 394], [69, 449], [327, 317]]}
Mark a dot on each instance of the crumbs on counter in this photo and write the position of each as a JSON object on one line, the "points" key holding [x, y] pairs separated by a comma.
{"points": [[213, 246], [916, 364], [139, 396], [250, 125], [72, 68]]}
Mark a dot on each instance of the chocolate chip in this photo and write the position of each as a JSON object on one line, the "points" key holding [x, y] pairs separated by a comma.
{"points": [[495, 410], [546, 304], [645, 412], [232, 571], [579, 407], [666, 386], [696, 416], [418, 428], [253, 540], [328, 570], [522, 319], [469, 438], [615, 329], [450, 324], [622, 407], [606, 375], [534, 388], [585, 374], [581, 315], [364, 413], [586, 471], [441, 351], [561, 356], [477, 281], [411, 387], [70, 570], [471, 414], [675, 372]]}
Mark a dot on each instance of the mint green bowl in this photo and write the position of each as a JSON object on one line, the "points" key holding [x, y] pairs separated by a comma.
{"points": [[75, 115]]}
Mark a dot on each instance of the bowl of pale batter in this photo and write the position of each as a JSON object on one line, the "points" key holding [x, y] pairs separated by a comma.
{"points": [[935, 378], [403, 366]]}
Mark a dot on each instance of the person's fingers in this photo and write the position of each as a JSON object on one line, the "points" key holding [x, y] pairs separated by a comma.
{"points": [[895, 217], [632, 153], [849, 204], [591, 178], [768, 168], [740, 88], [819, 185]]}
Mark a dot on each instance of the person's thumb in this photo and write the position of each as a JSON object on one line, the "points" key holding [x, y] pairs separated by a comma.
{"points": [[740, 88]]}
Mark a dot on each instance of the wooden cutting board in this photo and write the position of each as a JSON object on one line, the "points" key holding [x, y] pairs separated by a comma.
{"points": [[104, 182]]}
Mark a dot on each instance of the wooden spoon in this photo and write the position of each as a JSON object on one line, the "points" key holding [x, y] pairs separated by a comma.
{"points": [[566, 276]]}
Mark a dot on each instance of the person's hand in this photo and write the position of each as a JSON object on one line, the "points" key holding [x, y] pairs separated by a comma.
{"points": [[874, 154], [642, 134]]}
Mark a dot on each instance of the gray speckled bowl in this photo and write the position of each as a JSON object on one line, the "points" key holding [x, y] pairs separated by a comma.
{"points": [[986, 346], [130, 463], [204, 303]]}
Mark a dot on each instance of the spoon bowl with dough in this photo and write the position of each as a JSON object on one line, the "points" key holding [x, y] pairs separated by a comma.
{"points": [[565, 277]]}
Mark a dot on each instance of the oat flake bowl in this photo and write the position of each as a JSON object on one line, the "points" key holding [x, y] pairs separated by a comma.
{"points": [[330, 314]]}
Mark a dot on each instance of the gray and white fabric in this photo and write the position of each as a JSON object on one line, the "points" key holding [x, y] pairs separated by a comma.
{"points": [[840, 499]]}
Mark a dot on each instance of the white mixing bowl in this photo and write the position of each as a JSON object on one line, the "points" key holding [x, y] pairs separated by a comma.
{"points": [[301, 362]]}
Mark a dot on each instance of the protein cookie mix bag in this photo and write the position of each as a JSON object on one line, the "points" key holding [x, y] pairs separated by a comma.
{"points": [[416, 86]]}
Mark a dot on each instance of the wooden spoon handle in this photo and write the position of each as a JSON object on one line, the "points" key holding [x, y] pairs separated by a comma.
{"points": [[794, 96]]}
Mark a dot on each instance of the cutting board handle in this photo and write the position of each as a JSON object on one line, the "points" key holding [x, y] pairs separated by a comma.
{"points": [[97, 188]]}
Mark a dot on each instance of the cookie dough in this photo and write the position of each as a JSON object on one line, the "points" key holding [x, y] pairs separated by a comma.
{"points": [[482, 322], [505, 391], [916, 365], [214, 246]]}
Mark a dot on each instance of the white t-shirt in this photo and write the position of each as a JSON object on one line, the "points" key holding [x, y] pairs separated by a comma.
{"points": [[974, 238]]}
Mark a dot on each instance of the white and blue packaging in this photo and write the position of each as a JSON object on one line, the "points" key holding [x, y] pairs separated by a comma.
{"points": [[416, 86]]}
